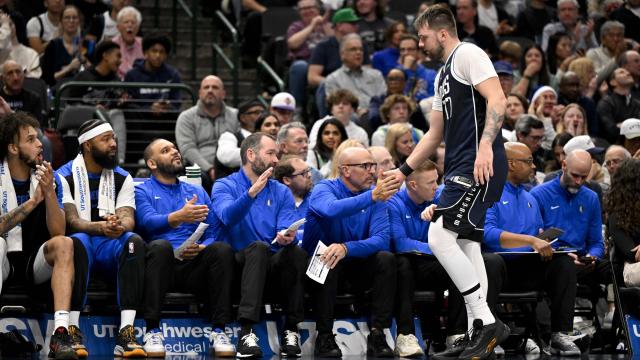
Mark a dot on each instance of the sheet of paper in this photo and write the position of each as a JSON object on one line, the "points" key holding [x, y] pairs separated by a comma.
{"points": [[292, 228], [191, 239], [317, 271]]}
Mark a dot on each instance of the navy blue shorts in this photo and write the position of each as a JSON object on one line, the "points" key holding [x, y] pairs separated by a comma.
{"points": [[463, 208]]}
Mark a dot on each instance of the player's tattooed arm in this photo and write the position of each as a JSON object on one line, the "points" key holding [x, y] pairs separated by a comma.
{"points": [[492, 125], [77, 224], [9, 220]]}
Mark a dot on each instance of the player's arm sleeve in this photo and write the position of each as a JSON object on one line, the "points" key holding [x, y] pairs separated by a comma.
{"points": [[437, 99]]}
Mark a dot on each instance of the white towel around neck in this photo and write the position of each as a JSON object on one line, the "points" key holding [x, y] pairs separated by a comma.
{"points": [[82, 194], [10, 202]]}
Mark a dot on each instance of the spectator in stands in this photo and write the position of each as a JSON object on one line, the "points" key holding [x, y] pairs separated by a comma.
{"points": [[573, 121], [64, 55], [533, 71], [283, 106], [387, 58], [240, 199], [128, 25], [613, 157], [544, 107], [396, 109], [612, 44], [199, 127], [12, 48], [533, 18], [302, 37], [628, 15], [582, 33], [351, 219], [511, 52], [16, 96], [419, 79], [630, 129], [228, 152], [383, 158], [569, 92], [512, 224], [517, 105], [529, 130], [325, 57], [296, 175], [330, 135], [619, 105], [89, 9], [560, 54], [342, 104], [45, 27], [568, 205], [204, 268], [292, 140], [493, 17], [399, 142], [105, 225], [33, 222], [505, 75], [104, 26], [107, 59], [583, 67], [154, 69], [373, 23], [555, 164], [630, 60], [417, 266], [469, 30], [363, 82], [269, 124]]}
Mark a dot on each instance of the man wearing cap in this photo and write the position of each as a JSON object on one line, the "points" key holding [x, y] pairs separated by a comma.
{"points": [[199, 127], [618, 105], [99, 203], [363, 82], [282, 106], [543, 106], [505, 73], [228, 152], [630, 129], [569, 92]]}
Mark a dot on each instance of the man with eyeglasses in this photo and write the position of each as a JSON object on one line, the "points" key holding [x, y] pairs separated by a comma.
{"points": [[296, 175], [511, 225], [420, 79], [530, 131], [363, 82], [350, 217], [614, 156]]}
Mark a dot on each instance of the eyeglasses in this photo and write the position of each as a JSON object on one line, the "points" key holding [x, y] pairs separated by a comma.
{"points": [[612, 162], [527, 161], [535, 138], [304, 173], [365, 166]]}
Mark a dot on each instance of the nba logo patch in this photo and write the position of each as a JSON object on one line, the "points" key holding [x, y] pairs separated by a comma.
{"points": [[131, 248]]}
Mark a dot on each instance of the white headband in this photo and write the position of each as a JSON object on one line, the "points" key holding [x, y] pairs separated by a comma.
{"points": [[100, 129]]}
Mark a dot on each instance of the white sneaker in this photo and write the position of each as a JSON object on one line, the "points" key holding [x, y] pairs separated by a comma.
{"points": [[499, 351], [531, 347], [408, 346], [220, 344], [153, 344]]}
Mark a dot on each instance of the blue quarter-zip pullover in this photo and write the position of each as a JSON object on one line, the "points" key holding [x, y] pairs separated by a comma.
{"points": [[408, 231]]}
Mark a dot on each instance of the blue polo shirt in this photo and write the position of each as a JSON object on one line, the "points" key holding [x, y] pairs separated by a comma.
{"points": [[245, 220], [579, 215], [517, 212], [338, 215]]}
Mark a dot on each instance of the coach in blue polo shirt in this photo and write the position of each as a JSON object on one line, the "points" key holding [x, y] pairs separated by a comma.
{"points": [[351, 219], [511, 225], [254, 210]]}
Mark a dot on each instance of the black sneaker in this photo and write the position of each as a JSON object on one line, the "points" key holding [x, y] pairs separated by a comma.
{"points": [[60, 346], [127, 345], [484, 339], [248, 346], [291, 344], [454, 350], [377, 345], [327, 347], [77, 341]]}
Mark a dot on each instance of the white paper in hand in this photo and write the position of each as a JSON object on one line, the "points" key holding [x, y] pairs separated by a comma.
{"points": [[191, 240], [317, 270], [292, 229]]}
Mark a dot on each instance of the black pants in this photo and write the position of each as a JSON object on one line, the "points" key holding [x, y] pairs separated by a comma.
{"points": [[424, 272], [208, 275], [557, 277], [252, 44], [378, 271], [282, 272]]}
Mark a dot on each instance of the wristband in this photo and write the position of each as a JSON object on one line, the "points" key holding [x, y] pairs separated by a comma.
{"points": [[405, 169]]}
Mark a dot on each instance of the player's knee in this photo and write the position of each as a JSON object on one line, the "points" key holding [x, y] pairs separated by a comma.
{"points": [[60, 247]]}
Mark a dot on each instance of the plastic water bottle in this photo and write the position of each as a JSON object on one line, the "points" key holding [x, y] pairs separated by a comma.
{"points": [[193, 175]]}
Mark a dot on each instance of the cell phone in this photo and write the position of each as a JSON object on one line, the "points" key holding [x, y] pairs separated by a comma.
{"points": [[551, 233], [586, 259]]}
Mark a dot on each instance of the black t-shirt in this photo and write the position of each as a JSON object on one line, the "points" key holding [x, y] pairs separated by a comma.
{"points": [[89, 10], [26, 101], [92, 95], [34, 228], [531, 21]]}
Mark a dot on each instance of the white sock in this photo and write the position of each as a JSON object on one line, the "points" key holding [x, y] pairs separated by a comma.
{"points": [[469, 316], [74, 318], [61, 318], [461, 270], [127, 317]]}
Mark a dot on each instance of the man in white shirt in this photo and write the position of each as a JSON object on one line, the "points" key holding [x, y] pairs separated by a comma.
{"points": [[43, 28], [342, 105]]}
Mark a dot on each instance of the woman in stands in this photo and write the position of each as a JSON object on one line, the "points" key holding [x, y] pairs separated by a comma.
{"points": [[387, 58], [573, 121], [399, 142], [64, 56], [331, 134], [516, 105], [533, 71], [268, 124], [559, 53]]}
